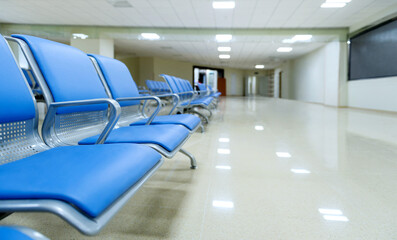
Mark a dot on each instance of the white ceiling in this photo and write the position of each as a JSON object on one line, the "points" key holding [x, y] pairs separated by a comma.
{"points": [[191, 14], [247, 51]]}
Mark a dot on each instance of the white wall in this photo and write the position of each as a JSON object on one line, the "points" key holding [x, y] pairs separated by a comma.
{"points": [[307, 77], [317, 77], [379, 94]]}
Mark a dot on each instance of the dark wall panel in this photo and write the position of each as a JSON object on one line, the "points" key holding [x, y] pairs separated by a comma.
{"points": [[373, 54]]}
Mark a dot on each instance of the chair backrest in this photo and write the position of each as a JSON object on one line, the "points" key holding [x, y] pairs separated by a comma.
{"points": [[188, 86], [158, 86], [117, 78], [201, 86], [162, 87], [171, 83], [69, 75], [149, 84], [19, 137]]}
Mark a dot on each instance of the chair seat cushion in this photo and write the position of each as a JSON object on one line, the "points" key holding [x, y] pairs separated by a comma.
{"points": [[167, 136], [206, 101], [188, 120], [88, 177], [217, 94], [10, 233]]}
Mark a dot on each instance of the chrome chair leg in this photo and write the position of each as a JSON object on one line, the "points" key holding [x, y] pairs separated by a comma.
{"points": [[193, 164], [202, 128]]}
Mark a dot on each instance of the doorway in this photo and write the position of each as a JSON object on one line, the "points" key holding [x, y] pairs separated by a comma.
{"points": [[222, 86], [279, 84], [210, 77]]}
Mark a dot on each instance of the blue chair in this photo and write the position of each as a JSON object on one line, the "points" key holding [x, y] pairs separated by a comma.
{"points": [[165, 87], [143, 91], [157, 87], [67, 74], [149, 84], [189, 98], [214, 93], [118, 81], [209, 92], [35, 177], [20, 233]]}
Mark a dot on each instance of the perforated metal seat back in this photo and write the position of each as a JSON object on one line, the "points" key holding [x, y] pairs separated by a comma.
{"points": [[69, 75], [18, 123]]}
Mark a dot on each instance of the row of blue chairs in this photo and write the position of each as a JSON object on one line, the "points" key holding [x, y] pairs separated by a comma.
{"points": [[157, 87], [97, 147], [191, 101], [208, 90]]}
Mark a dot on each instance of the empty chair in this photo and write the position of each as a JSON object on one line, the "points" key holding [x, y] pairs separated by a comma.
{"points": [[214, 93], [36, 178], [208, 91], [67, 74], [143, 91], [157, 87], [189, 98], [118, 82], [20, 233]]}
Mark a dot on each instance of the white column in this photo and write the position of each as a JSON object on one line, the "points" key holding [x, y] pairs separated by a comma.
{"points": [[104, 47]]}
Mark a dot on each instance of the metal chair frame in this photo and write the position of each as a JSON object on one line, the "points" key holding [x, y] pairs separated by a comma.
{"points": [[24, 137]]}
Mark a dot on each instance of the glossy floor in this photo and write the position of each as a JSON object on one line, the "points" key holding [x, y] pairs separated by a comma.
{"points": [[268, 169]]}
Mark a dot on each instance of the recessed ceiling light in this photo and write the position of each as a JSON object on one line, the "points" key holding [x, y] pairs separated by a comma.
{"points": [[328, 211], [223, 151], [336, 218], [224, 49], [223, 204], [288, 40], [283, 154], [223, 167], [338, 1], [333, 5], [224, 56], [150, 36], [79, 35], [298, 38], [305, 37], [223, 37], [300, 171], [259, 66], [284, 49], [224, 140], [224, 5], [259, 128]]}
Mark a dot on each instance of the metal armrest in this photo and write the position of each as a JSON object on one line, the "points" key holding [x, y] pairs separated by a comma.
{"points": [[115, 111], [201, 93], [191, 92], [176, 100], [154, 114]]}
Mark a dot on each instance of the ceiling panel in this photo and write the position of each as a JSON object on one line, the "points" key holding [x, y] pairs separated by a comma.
{"points": [[247, 50], [178, 13]]}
